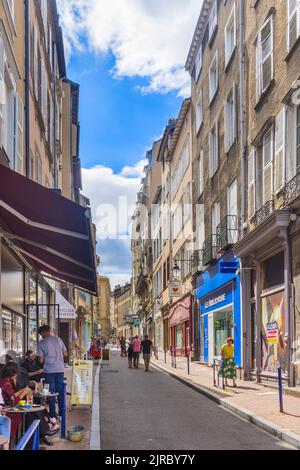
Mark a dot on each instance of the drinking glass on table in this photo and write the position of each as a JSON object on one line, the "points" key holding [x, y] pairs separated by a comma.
{"points": [[46, 389]]}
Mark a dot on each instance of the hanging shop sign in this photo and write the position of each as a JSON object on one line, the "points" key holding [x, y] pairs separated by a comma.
{"points": [[175, 289], [82, 383], [272, 333]]}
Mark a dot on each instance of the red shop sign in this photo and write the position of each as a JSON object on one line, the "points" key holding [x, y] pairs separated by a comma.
{"points": [[180, 312]]}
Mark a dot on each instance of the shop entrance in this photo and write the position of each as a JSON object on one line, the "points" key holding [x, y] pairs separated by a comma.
{"points": [[223, 328], [39, 315]]}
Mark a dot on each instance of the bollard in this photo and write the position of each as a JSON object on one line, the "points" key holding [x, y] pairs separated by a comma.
{"points": [[280, 389], [188, 360], [63, 410], [214, 372], [165, 356]]}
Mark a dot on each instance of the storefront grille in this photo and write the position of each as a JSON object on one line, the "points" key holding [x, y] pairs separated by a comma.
{"points": [[228, 231], [263, 213], [210, 249], [292, 190]]}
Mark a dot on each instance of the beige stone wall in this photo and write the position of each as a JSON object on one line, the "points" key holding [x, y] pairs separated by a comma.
{"points": [[229, 164]]}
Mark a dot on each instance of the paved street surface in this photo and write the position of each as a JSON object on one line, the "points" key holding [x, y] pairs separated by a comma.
{"points": [[152, 411]]}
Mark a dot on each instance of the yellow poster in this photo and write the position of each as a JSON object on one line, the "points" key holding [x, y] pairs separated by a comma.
{"points": [[82, 383]]}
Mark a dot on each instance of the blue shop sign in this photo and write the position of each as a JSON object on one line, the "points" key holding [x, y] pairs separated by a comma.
{"points": [[217, 299], [229, 267]]}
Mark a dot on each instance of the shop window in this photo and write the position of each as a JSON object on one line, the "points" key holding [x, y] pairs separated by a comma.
{"points": [[12, 335], [32, 328], [179, 341], [223, 329], [273, 271]]}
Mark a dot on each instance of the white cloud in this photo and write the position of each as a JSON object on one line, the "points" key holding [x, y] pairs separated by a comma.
{"points": [[113, 197], [149, 39]]}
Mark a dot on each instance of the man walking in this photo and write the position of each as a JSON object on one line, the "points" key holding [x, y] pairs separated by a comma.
{"points": [[52, 351], [136, 346], [147, 348]]}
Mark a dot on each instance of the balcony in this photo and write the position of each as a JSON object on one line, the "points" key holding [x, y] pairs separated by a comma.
{"points": [[263, 213], [196, 262], [210, 249], [292, 190], [228, 231]]}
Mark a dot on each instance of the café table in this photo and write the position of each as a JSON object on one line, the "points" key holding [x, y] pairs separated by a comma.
{"points": [[23, 412]]}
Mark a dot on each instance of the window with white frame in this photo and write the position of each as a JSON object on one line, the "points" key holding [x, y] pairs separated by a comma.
{"points": [[178, 219], [280, 149], [198, 64], [268, 152], [252, 183], [187, 208], [19, 126], [293, 27], [213, 19], [232, 212], [230, 119], [181, 168], [214, 149], [201, 172], [213, 77], [11, 6], [215, 218], [230, 36], [200, 233], [265, 57], [199, 111]]}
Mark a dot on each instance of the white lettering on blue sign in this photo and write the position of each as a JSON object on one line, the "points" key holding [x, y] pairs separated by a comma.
{"points": [[215, 301]]}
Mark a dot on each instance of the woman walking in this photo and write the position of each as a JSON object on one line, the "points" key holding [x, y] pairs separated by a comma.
{"points": [[228, 369]]}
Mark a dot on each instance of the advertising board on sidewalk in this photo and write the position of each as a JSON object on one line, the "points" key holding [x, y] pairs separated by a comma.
{"points": [[82, 383]]}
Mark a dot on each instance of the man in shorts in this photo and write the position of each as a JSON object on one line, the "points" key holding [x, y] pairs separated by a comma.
{"points": [[147, 348]]}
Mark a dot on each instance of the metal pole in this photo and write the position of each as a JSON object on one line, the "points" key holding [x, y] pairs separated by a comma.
{"points": [[188, 362], [63, 410], [214, 372], [165, 356], [280, 389], [175, 365]]}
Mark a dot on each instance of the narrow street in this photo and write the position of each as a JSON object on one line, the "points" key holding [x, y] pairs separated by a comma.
{"points": [[152, 411]]}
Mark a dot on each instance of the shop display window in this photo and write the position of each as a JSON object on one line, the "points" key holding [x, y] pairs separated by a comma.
{"points": [[12, 335], [223, 329]]}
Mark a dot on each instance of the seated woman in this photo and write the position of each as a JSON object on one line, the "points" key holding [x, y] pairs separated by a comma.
{"points": [[12, 396]]}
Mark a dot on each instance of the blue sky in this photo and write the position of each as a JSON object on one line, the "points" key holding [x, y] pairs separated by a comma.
{"points": [[118, 123], [128, 57]]}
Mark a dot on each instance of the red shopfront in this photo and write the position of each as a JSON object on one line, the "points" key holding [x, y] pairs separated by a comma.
{"points": [[181, 333]]}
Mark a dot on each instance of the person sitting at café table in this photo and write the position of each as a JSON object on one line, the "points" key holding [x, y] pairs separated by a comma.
{"points": [[32, 366], [11, 397]]}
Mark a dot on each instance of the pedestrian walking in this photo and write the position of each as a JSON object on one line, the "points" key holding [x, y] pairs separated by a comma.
{"points": [[130, 355], [52, 351], [123, 346], [136, 345], [147, 348], [228, 368]]}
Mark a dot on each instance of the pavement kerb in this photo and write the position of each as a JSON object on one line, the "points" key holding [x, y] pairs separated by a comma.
{"points": [[283, 434], [95, 437]]}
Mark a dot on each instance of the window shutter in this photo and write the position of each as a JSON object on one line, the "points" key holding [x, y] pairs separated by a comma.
{"points": [[268, 167], [50, 45], [217, 147], [267, 53], [2, 92], [234, 123], [226, 126], [19, 135], [258, 65], [36, 64], [293, 29], [280, 150], [251, 184]]}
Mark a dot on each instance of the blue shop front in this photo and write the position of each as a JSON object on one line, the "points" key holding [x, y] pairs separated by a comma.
{"points": [[218, 295]]}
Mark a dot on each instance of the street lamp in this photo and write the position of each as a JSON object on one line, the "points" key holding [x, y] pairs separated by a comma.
{"points": [[176, 272]]}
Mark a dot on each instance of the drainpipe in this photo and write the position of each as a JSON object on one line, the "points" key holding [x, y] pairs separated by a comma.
{"points": [[242, 114], [27, 89], [288, 292]]}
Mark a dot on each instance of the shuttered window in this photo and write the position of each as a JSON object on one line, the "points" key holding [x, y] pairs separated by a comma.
{"points": [[19, 132], [230, 36], [199, 112], [198, 64], [213, 78], [230, 119], [215, 217], [251, 184], [298, 139], [200, 226], [264, 57], [214, 149], [201, 172], [268, 166], [213, 19], [279, 163], [36, 64], [293, 26], [2, 88]]}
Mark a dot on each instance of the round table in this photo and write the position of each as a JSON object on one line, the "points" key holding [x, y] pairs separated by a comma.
{"points": [[23, 412]]}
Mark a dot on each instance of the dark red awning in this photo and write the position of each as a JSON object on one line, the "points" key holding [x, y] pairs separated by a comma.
{"points": [[51, 232]]}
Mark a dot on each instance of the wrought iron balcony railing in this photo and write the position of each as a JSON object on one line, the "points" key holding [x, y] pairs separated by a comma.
{"points": [[210, 249], [228, 231], [263, 213], [292, 190]]}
